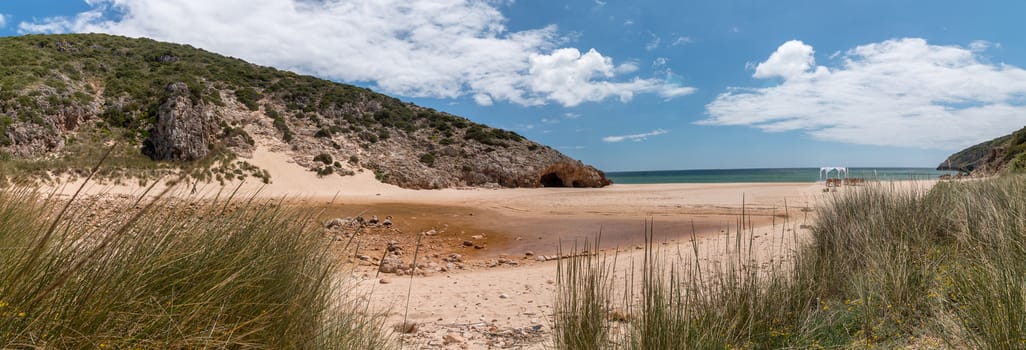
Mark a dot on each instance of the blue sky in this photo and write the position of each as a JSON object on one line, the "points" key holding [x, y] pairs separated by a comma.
{"points": [[635, 85]]}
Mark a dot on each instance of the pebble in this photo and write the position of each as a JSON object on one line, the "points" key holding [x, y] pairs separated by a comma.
{"points": [[453, 338], [503, 296], [528, 253], [385, 280]]}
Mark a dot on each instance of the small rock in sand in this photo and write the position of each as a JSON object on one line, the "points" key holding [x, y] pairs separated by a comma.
{"points": [[503, 296], [385, 280], [528, 253], [407, 327], [390, 264], [453, 338], [468, 243]]}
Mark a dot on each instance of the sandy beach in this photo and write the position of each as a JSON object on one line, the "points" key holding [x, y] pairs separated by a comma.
{"points": [[499, 293]]}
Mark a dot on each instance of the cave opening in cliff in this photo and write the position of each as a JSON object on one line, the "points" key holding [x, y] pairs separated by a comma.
{"points": [[551, 180]]}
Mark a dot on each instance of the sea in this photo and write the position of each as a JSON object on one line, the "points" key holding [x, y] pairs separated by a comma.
{"points": [[768, 175]]}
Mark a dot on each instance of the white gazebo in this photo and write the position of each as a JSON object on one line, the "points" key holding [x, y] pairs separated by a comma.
{"points": [[824, 172]]}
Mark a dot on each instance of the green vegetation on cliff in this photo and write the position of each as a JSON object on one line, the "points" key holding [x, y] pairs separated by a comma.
{"points": [[1005, 153], [185, 108]]}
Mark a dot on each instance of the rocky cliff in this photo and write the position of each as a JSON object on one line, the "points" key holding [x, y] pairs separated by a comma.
{"points": [[181, 105], [1006, 153]]}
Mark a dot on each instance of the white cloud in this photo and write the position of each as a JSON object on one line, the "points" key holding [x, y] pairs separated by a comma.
{"points": [[670, 93], [483, 100], [3, 20], [982, 45], [902, 92], [549, 121], [635, 137], [628, 22], [791, 59], [571, 78], [627, 68], [660, 62], [442, 49], [654, 43], [569, 115], [682, 40]]}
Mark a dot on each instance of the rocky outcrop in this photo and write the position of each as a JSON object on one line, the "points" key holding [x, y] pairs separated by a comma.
{"points": [[183, 128], [990, 157], [30, 140], [572, 174]]}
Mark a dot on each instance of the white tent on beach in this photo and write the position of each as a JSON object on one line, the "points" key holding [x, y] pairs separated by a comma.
{"points": [[824, 172]]}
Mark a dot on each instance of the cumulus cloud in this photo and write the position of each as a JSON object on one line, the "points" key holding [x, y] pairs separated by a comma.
{"points": [[635, 137], [901, 92], [791, 59], [442, 49], [3, 20]]}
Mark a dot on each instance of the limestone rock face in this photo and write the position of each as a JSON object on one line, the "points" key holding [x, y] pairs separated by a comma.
{"points": [[32, 140], [183, 129]]}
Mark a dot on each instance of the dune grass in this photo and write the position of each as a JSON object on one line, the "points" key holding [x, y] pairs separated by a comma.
{"points": [[169, 274], [882, 268]]}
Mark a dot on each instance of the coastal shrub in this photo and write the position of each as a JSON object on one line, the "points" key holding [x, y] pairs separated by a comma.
{"points": [[882, 267], [428, 159], [171, 274], [323, 158], [325, 171], [249, 97]]}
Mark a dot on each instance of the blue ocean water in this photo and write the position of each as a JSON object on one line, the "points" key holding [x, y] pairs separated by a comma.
{"points": [[767, 175]]}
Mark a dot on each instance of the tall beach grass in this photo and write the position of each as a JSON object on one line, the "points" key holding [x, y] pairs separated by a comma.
{"points": [[167, 274], [881, 268]]}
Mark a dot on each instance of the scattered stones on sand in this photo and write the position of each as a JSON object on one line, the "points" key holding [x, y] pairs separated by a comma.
{"points": [[395, 248], [390, 264], [336, 223]]}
